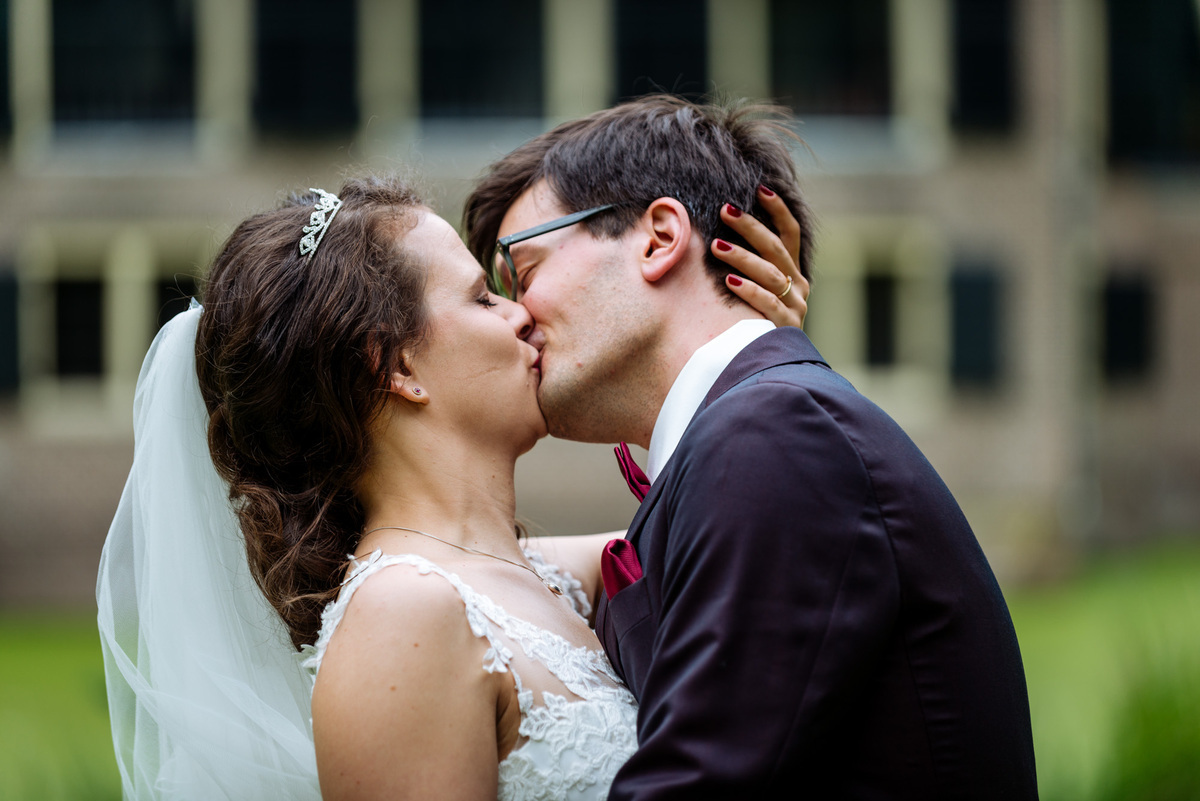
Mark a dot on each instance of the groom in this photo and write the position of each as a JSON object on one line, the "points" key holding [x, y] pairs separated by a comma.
{"points": [[815, 618]]}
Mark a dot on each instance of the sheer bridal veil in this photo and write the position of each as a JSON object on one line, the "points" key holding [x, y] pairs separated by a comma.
{"points": [[205, 691]]}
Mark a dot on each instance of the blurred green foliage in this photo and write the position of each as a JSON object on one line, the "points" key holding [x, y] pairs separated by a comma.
{"points": [[1112, 659], [54, 734], [1156, 750]]}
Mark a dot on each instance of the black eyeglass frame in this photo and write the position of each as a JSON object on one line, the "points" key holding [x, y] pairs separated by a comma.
{"points": [[513, 289]]}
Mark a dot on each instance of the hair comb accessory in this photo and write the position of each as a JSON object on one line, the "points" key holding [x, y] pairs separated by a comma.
{"points": [[318, 222]]}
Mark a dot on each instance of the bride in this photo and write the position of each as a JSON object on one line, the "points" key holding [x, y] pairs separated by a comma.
{"points": [[362, 393]]}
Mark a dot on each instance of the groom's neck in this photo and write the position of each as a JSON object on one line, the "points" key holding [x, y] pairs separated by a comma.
{"points": [[690, 321]]}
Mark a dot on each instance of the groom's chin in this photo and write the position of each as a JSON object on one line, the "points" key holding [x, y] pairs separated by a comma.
{"points": [[552, 412], [565, 417]]}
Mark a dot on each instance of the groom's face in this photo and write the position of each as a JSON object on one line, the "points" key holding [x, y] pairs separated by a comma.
{"points": [[583, 295]]}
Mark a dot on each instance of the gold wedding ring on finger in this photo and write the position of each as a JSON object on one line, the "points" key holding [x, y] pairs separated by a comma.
{"points": [[786, 290]]}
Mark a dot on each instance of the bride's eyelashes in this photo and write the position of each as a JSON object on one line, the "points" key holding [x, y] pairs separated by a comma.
{"points": [[486, 300]]}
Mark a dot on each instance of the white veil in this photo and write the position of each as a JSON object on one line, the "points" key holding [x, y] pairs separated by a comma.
{"points": [[205, 691]]}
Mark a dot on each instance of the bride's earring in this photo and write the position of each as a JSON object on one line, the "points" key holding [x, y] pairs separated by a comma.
{"points": [[401, 386]]}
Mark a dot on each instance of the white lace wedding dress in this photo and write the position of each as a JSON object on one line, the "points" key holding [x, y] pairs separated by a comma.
{"points": [[574, 740]]}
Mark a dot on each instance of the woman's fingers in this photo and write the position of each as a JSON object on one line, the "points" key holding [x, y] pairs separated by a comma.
{"points": [[766, 303], [788, 310], [773, 264], [775, 288], [785, 223]]}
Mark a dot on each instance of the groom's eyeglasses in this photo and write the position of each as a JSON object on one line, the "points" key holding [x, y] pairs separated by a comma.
{"points": [[504, 273]]}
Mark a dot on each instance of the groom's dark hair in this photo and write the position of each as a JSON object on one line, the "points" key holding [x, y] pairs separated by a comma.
{"points": [[703, 155]]}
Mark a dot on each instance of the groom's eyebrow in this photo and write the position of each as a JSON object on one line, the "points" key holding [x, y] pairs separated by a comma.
{"points": [[530, 249]]}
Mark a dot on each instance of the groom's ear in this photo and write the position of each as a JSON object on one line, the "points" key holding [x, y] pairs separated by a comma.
{"points": [[666, 231]]}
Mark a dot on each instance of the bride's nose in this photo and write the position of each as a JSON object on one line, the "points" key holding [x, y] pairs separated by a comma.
{"points": [[517, 315]]}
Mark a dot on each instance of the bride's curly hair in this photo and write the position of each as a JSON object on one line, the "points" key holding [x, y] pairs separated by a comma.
{"points": [[293, 356]]}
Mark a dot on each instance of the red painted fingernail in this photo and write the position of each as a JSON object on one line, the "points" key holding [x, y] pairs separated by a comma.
{"points": [[733, 280], [732, 211], [765, 191], [724, 246]]}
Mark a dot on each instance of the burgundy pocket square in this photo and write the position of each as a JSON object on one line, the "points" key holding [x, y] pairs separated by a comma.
{"points": [[619, 566]]}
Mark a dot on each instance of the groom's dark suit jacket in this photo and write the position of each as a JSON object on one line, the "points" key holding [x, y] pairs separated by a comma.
{"points": [[816, 618]]}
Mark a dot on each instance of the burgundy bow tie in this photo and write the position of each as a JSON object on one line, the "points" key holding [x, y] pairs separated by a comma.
{"points": [[639, 485]]}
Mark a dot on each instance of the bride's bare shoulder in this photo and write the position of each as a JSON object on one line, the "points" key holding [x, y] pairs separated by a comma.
{"points": [[402, 700], [402, 601]]}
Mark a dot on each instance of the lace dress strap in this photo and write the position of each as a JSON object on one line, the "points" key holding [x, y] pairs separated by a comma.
{"points": [[479, 608], [585, 672]]}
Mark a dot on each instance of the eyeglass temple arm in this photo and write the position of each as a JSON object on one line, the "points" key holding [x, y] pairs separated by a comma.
{"points": [[553, 225]]}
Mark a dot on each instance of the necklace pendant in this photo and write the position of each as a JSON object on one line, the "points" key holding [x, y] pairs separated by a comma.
{"points": [[554, 588]]}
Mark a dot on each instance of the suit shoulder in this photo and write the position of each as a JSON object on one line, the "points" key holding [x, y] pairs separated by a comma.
{"points": [[766, 424], [811, 392], [783, 398]]}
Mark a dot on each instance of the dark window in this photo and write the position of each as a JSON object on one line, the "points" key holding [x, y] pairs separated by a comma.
{"points": [[305, 53], [9, 354], [118, 60], [78, 325], [831, 56], [984, 97], [174, 296], [1154, 81], [662, 45], [1128, 326], [975, 325], [481, 58], [880, 290]]}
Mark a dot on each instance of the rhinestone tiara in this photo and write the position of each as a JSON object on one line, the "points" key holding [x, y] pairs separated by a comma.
{"points": [[318, 222]]}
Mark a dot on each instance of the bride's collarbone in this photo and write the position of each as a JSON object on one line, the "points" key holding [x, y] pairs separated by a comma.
{"points": [[518, 593], [522, 595]]}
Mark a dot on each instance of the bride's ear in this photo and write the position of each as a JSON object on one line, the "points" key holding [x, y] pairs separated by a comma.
{"points": [[405, 388], [401, 382], [404, 384]]}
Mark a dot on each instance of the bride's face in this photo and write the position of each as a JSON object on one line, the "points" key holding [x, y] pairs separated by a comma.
{"points": [[475, 370]]}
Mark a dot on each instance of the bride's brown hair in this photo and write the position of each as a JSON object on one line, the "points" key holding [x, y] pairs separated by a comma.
{"points": [[293, 356]]}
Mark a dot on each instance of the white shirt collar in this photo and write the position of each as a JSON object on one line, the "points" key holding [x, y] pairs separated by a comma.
{"points": [[692, 384]]}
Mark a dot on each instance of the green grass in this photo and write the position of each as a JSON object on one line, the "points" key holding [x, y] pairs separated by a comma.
{"points": [[54, 734], [1100, 652], [1112, 659]]}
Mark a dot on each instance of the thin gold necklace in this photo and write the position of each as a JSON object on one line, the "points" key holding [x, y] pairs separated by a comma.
{"points": [[550, 585]]}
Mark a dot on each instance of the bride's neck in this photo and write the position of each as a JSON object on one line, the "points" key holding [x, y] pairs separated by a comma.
{"points": [[460, 495]]}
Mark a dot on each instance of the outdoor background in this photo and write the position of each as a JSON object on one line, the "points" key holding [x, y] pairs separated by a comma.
{"points": [[1008, 261]]}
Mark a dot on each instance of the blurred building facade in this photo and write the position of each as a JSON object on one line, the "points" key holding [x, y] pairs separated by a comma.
{"points": [[1007, 191]]}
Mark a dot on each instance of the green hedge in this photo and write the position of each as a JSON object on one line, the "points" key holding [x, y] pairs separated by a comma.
{"points": [[1112, 659]]}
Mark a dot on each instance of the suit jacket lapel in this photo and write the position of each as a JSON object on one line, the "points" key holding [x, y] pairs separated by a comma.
{"points": [[781, 346]]}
